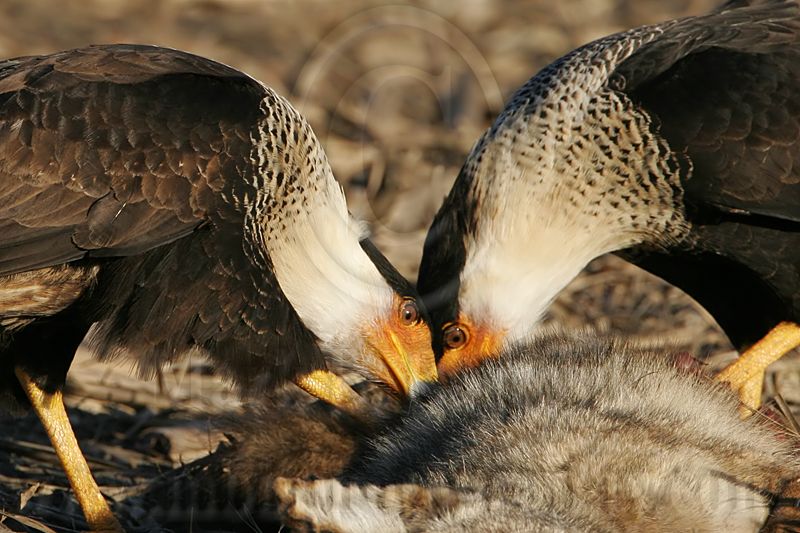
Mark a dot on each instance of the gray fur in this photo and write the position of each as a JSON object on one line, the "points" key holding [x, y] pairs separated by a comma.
{"points": [[560, 434]]}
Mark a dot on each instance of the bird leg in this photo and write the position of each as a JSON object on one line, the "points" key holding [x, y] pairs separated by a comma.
{"points": [[330, 388], [746, 374], [49, 408]]}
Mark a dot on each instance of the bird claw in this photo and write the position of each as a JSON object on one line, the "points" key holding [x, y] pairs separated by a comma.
{"points": [[746, 374], [332, 389]]}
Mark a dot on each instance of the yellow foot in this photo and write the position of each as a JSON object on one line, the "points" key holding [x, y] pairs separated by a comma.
{"points": [[50, 409], [332, 389], [746, 374]]}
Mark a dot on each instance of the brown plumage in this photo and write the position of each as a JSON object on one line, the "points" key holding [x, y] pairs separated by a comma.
{"points": [[142, 188], [172, 203]]}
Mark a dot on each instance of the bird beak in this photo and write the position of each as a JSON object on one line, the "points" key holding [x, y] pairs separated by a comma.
{"points": [[402, 356]]}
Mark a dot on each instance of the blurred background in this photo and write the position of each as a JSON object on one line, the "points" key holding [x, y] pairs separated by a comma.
{"points": [[397, 93]]}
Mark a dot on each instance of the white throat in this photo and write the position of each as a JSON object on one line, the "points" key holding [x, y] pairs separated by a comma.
{"points": [[330, 281], [312, 242], [532, 247], [512, 284]]}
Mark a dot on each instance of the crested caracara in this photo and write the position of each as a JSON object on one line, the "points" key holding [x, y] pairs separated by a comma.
{"points": [[676, 145], [169, 203]]}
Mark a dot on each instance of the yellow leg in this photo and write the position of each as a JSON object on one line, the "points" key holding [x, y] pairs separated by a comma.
{"points": [[50, 409], [746, 374], [332, 389]]}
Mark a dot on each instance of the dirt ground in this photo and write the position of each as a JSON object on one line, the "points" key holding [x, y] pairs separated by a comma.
{"points": [[397, 93]]}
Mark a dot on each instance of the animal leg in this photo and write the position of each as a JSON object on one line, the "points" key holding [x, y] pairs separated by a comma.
{"points": [[49, 408], [332, 389], [746, 374]]}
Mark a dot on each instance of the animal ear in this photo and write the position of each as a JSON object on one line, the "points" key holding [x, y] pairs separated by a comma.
{"points": [[327, 505]]}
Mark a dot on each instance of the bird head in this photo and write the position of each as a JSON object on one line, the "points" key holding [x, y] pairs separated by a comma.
{"points": [[465, 343], [461, 339], [499, 250], [397, 346], [364, 316], [487, 278], [464, 327]]}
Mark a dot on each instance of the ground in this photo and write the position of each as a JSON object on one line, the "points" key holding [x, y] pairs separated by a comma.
{"points": [[397, 94]]}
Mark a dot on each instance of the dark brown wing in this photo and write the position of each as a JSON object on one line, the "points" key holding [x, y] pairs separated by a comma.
{"points": [[725, 89], [142, 155], [113, 150], [203, 290]]}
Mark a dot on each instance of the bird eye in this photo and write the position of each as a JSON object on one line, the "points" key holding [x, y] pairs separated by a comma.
{"points": [[409, 313], [454, 336]]}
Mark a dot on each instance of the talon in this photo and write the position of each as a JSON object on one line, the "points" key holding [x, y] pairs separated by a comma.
{"points": [[330, 388], [746, 374]]}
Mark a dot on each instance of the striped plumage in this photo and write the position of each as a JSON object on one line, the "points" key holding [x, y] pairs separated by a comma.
{"points": [[674, 144]]}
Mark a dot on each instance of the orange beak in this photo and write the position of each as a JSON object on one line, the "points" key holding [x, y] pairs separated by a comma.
{"points": [[402, 356]]}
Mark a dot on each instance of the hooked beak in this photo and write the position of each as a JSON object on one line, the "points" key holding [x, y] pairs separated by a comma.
{"points": [[402, 357]]}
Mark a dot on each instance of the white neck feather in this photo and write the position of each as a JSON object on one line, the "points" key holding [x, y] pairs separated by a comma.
{"points": [[529, 250], [512, 285], [330, 281], [311, 239]]}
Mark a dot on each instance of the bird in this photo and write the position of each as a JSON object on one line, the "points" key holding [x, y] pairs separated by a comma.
{"points": [[155, 202], [674, 145], [563, 432]]}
